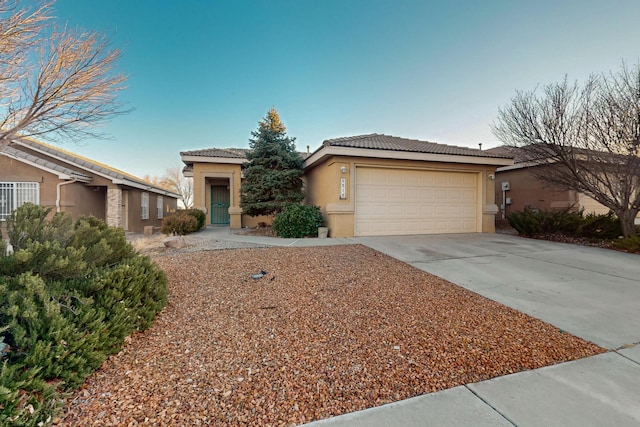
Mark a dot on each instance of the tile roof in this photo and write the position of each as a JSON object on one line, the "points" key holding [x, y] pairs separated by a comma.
{"points": [[376, 141], [11, 151], [88, 164], [231, 153], [519, 155]]}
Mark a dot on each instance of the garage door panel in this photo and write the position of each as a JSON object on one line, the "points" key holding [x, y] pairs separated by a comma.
{"points": [[426, 211], [413, 193], [426, 180], [403, 201]]}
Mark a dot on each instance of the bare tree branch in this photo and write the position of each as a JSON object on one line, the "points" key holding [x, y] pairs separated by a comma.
{"points": [[56, 83], [586, 136], [174, 181]]}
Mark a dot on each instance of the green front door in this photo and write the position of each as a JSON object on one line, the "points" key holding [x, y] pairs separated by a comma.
{"points": [[219, 204]]}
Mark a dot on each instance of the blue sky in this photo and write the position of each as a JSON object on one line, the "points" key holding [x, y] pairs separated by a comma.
{"points": [[202, 73]]}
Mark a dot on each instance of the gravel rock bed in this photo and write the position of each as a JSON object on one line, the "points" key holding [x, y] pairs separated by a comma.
{"points": [[154, 246], [326, 331]]}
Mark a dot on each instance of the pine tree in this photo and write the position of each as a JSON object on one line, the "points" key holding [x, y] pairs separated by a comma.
{"points": [[272, 175]]}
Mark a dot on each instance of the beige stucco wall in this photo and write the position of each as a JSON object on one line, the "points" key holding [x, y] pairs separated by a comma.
{"points": [[590, 205], [80, 199], [206, 173], [255, 221], [526, 190], [323, 189], [134, 204], [14, 171], [76, 198]]}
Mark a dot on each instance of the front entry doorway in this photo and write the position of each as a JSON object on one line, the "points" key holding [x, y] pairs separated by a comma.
{"points": [[220, 199]]}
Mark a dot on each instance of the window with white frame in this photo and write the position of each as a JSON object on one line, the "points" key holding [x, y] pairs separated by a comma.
{"points": [[15, 194], [159, 207], [145, 205]]}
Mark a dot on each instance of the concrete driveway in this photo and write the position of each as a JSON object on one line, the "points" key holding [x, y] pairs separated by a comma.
{"points": [[590, 292]]}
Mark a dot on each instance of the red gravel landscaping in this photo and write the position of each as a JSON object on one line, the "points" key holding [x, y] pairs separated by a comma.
{"points": [[328, 330]]}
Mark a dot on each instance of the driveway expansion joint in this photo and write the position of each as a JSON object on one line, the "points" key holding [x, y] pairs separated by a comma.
{"points": [[486, 402], [523, 255]]}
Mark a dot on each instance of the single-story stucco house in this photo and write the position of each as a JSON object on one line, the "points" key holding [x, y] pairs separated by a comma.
{"points": [[32, 171], [517, 188], [367, 185]]}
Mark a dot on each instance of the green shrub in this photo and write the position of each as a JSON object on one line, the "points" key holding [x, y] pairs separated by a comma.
{"points": [[298, 221], [179, 223], [200, 216], [28, 223], [532, 222], [600, 226], [59, 247], [69, 296], [105, 245], [629, 244], [527, 222]]}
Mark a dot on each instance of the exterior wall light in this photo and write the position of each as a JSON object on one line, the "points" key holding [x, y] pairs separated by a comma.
{"points": [[343, 169]]}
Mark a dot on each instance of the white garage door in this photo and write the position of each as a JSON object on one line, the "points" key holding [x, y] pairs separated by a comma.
{"points": [[405, 201]]}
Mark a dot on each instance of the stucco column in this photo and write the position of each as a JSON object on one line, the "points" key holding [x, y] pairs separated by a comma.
{"points": [[114, 207], [489, 207], [235, 217]]}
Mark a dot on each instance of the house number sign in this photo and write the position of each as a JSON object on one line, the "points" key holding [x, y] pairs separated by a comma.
{"points": [[343, 188]]}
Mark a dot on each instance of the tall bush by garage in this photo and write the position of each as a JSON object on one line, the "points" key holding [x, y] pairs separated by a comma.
{"points": [[297, 221], [69, 295]]}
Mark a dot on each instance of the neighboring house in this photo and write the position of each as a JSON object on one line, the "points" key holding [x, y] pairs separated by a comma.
{"points": [[517, 188], [39, 173], [367, 185]]}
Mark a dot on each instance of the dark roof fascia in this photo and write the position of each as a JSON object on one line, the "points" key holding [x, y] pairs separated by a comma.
{"points": [[45, 165], [114, 175], [212, 155]]}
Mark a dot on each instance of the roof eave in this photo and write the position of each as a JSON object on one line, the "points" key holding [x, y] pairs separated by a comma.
{"points": [[524, 165], [209, 159], [327, 151], [59, 174], [149, 188], [80, 163]]}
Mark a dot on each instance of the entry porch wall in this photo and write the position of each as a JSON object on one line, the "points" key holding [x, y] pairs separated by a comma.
{"points": [[206, 173]]}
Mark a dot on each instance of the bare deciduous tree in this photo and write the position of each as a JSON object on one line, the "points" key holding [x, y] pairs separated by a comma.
{"points": [[181, 185], [174, 181], [588, 136], [54, 83]]}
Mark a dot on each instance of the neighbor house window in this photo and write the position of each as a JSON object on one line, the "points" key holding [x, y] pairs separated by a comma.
{"points": [[15, 194], [159, 207], [145, 205]]}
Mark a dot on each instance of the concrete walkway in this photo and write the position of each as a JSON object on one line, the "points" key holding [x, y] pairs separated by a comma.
{"points": [[592, 293]]}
